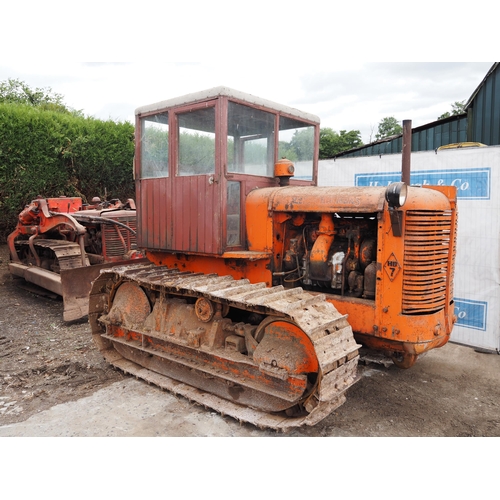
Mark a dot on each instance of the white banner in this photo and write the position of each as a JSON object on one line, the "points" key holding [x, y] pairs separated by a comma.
{"points": [[476, 174]]}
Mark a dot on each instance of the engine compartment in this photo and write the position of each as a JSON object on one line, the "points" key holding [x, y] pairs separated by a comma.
{"points": [[335, 253]]}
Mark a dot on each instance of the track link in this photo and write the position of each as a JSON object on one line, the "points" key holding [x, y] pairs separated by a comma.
{"points": [[68, 254], [328, 330]]}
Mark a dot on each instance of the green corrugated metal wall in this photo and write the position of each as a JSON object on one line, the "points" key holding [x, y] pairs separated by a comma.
{"points": [[440, 135], [484, 119], [423, 139]]}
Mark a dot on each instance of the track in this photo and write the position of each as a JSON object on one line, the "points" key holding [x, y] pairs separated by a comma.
{"points": [[149, 353], [66, 254]]}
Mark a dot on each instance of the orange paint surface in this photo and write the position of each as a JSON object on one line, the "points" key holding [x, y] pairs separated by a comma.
{"points": [[239, 265]]}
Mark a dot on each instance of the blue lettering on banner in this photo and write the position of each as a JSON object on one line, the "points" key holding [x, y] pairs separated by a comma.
{"points": [[471, 183], [471, 313]]}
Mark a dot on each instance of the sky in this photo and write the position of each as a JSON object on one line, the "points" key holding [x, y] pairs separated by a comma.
{"points": [[345, 96], [305, 55]]}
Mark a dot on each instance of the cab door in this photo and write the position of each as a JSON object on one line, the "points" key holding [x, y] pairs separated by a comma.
{"points": [[196, 187]]}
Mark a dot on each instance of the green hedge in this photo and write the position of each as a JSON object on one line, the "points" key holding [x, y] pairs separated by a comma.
{"points": [[51, 154]]}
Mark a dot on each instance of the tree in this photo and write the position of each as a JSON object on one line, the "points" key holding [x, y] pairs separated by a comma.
{"points": [[302, 143], [457, 108], [15, 91], [332, 143], [387, 127]]}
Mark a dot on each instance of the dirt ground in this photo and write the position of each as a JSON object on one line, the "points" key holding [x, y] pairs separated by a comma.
{"points": [[43, 360], [48, 365]]}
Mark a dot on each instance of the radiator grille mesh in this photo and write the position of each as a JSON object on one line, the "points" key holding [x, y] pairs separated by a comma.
{"points": [[427, 262], [113, 245]]}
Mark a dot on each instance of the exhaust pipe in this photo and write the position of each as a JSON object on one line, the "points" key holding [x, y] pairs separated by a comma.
{"points": [[406, 152]]}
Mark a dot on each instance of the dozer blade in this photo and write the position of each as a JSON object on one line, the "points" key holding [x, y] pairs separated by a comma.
{"points": [[75, 286], [72, 285], [37, 276]]}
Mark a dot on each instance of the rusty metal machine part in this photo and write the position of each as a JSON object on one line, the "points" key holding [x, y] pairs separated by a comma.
{"points": [[291, 367], [61, 245]]}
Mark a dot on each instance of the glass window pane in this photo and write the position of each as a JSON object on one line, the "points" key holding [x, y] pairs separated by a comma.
{"points": [[296, 143], [233, 214], [196, 142], [154, 146], [250, 142]]}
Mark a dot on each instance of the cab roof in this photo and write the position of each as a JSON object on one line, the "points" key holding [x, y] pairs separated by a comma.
{"points": [[222, 91]]}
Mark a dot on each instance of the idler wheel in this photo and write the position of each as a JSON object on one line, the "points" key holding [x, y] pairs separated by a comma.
{"points": [[204, 309]]}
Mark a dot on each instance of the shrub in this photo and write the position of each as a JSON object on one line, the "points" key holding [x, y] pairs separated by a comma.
{"points": [[50, 153]]}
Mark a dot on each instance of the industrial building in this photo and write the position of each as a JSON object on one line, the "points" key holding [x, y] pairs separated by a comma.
{"points": [[480, 124]]}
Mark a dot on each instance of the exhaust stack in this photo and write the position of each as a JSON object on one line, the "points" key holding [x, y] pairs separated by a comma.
{"points": [[406, 152]]}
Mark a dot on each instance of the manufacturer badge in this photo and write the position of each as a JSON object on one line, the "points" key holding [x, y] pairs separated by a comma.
{"points": [[392, 267]]}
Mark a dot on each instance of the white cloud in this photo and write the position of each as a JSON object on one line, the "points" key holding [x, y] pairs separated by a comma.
{"points": [[346, 95]]}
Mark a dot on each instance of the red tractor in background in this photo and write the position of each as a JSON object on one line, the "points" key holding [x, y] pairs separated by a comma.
{"points": [[61, 244]]}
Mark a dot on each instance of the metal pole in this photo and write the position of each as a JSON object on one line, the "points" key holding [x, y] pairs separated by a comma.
{"points": [[406, 153]]}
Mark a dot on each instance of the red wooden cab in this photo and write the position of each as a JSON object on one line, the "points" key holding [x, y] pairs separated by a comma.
{"points": [[198, 157]]}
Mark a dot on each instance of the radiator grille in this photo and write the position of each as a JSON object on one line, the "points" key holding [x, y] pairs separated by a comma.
{"points": [[112, 243], [427, 262]]}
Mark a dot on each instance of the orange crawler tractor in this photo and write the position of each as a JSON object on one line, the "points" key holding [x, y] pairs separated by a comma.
{"points": [[261, 287]]}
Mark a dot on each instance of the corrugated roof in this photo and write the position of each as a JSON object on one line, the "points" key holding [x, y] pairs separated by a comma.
{"points": [[413, 130]]}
